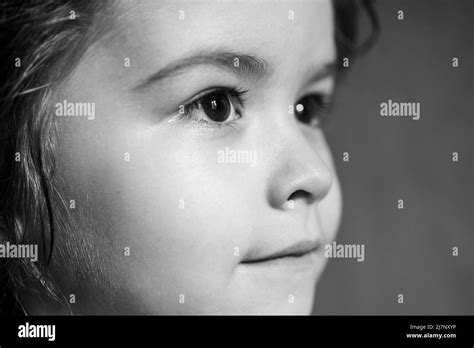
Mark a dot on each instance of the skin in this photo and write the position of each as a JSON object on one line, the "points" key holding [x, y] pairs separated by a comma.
{"points": [[188, 248]]}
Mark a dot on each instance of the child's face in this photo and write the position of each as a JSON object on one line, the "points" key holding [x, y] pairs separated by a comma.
{"points": [[165, 185]]}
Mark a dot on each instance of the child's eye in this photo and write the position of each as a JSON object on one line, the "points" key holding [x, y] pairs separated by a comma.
{"points": [[218, 106], [313, 109]]}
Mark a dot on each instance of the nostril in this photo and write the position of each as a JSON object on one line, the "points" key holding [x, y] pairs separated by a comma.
{"points": [[300, 194]]}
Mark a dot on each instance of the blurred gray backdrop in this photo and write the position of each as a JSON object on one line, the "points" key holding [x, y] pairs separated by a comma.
{"points": [[407, 251]]}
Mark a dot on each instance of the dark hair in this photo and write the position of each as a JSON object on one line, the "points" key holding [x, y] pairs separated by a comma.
{"points": [[348, 39], [42, 41]]}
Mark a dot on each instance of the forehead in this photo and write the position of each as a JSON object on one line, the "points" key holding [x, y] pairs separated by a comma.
{"points": [[298, 32]]}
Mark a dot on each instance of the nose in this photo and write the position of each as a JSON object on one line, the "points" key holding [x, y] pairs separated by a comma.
{"points": [[300, 175]]}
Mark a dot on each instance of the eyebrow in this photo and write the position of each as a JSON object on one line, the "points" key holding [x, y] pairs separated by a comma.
{"points": [[245, 66]]}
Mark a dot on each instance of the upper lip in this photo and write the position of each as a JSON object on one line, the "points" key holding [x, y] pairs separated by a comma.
{"points": [[297, 249]]}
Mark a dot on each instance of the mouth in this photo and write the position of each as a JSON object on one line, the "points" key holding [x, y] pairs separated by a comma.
{"points": [[303, 251]]}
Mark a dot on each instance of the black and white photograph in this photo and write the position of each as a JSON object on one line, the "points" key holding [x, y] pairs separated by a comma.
{"points": [[235, 163]]}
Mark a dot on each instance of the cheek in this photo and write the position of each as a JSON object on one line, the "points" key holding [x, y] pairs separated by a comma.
{"points": [[173, 207], [193, 216], [329, 208]]}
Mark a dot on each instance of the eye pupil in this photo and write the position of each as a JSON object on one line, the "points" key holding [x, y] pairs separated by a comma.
{"points": [[216, 106]]}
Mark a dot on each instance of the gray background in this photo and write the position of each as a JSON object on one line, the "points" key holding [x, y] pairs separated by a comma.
{"points": [[407, 251]]}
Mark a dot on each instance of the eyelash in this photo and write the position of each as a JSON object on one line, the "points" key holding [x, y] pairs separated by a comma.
{"points": [[237, 95]]}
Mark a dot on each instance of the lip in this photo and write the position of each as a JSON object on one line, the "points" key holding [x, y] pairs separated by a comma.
{"points": [[301, 251]]}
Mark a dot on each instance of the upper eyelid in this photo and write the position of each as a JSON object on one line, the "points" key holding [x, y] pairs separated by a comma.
{"points": [[317, 93], [327, 98], [324, 86], [200, 95], [327, 78], [226, 90], [207, 91]]}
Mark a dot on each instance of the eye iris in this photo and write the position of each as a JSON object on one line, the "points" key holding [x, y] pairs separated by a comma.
{"points": [[216, 106]]}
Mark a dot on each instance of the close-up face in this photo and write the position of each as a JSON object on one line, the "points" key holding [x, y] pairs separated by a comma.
{"points": [[259, 160], [202, 182]]}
